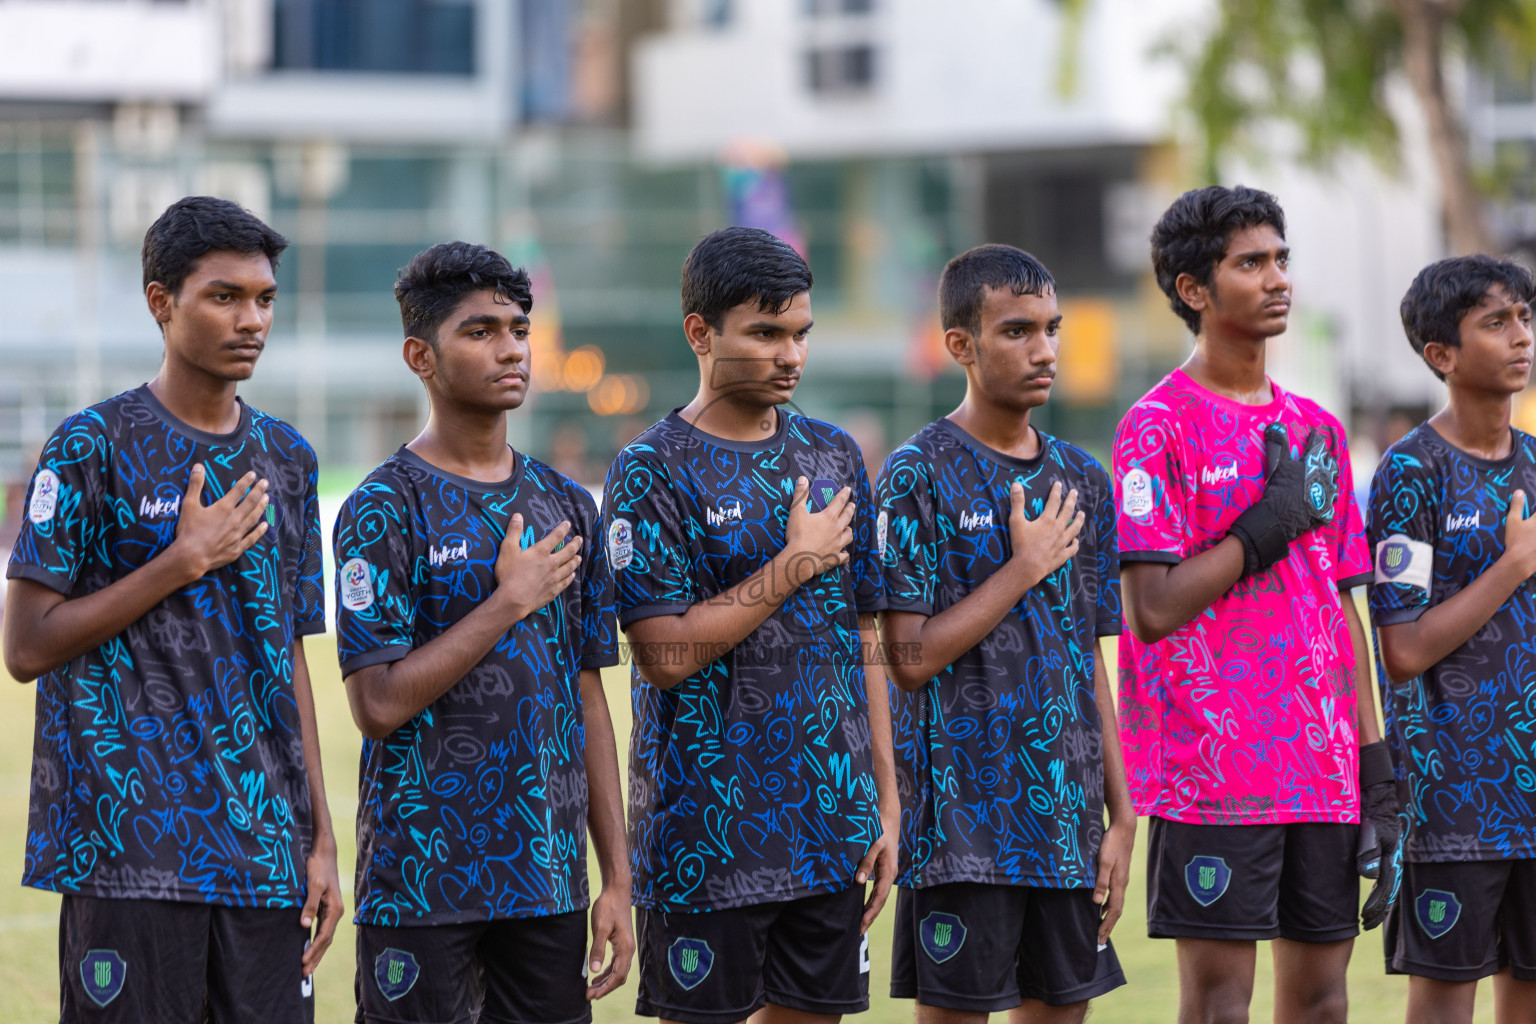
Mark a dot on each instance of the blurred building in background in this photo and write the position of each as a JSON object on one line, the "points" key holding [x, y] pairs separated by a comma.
{"points": [[595, 141]]}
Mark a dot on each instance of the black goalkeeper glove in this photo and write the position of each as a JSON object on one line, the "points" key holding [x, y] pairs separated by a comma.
{"points": [[1297, 497], [1381, 832]]}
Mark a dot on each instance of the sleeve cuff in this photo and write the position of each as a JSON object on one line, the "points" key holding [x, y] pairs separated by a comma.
{"points": [[377, 656], [651, 611], [902, 604], [1359, 579], [1164, 557], [1115, 628], [601, 659], [878, 604], [1397, 616], [37, 574], [311, 628]]}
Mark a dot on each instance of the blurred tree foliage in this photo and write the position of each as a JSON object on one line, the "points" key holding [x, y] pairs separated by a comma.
{"points": [[1323, 66]]}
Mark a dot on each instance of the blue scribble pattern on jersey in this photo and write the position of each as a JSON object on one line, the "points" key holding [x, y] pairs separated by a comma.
{"points": [[750, 782], [1463, 734], [999, 759], [168, 763], [476, 808]]}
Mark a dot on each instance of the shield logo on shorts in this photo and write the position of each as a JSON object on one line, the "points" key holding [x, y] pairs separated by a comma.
{"points": [[395, 971], [690, 961], [1207, 879], [1437, 911], [942, 935], [102, 974]]}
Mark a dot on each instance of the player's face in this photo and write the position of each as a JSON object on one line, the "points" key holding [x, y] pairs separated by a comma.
{"points": [[482, 360], [1495, 352], [218, 321], [1015, 356], [756, 357], [1250, 293]]}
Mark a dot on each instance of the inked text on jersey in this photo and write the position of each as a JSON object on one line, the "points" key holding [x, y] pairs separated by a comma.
{"points": [[448, 553]]}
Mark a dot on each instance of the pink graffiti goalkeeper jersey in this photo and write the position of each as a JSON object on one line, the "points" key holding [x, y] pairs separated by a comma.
{"points": [[1246, 714]]}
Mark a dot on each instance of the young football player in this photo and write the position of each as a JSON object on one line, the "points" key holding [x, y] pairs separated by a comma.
{"points": [[1247, 738], [762, 795], [998, 548], [1453, 605], [475, 613], [168, 569]]}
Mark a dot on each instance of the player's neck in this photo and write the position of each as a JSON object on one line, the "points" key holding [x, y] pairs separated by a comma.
{"points": [[473, 446], [725, 415], [1003, 430], [1476, 422], [199, 399], [1231, 367]]}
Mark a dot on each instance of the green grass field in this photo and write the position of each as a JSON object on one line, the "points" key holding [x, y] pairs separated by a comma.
{"points": [[29, 919]]}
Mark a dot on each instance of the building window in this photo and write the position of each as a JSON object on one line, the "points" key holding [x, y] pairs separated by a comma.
{"points": [[832, 8], [840, 69], [716, 14], [392, 36]]}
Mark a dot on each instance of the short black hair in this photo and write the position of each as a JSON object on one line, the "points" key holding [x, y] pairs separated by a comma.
{"points": [[966, 278], [1446, 291], [191, 228], [1192, 236], [736, 265], [437, 279]]}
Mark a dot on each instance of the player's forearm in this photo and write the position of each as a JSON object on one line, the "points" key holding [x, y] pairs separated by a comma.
{"points": [[939, 640], [324, 838], [1408, 649], [385, 697], [1369, 727], [669, 648], [605, 797], [1117, 792], [881, 743], [1160, 598], [44, 630]]}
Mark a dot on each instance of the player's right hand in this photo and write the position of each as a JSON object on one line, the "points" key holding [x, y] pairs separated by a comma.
{"points": [[212, 536], [1047, 542], [1298, 496], [536, 575], [817, 541], [1520, 534], [1380, 814]]}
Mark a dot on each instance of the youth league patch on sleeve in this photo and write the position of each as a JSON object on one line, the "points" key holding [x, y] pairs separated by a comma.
{"points": [[1136, 493], [1401, 559], [356, 585], [45, 496], [621, 544], [882, 525]]}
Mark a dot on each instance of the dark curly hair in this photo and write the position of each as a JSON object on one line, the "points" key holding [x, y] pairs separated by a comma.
{"points": [[1192, 235], [1446, 291], [191, 228], [437, 279], [736, 265]]}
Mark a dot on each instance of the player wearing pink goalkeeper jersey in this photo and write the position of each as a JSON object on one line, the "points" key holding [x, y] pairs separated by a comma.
{"points": [[1242, 725]]}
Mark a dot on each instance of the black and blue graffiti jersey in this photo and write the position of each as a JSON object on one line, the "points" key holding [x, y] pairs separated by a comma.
{"points": [[999, 758], [168, 762], [750, 782], [1463, 734], [475, 809]]}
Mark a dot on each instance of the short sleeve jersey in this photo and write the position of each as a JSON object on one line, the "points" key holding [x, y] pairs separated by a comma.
{"points": [[750, 782], [999, 758], [1461, 733], [168, 763], [1246, 714], [475, 809]]}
